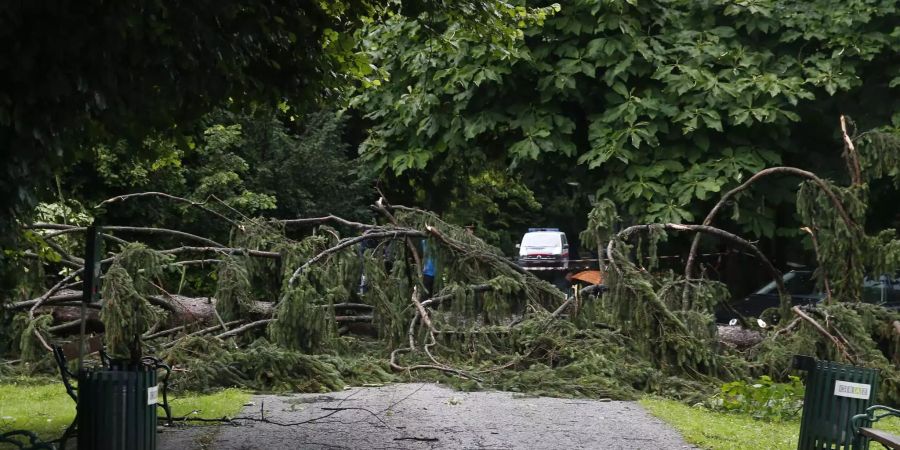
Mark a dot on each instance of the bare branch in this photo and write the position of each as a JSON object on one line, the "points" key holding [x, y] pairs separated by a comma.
{"points": [[164, 332], [421, 309], [63, 253], [196, 262], [563, 307], [851, 157], [50, 300], [353, 319], [64, 262], [695, 245], [349, 305], [326, 219], [200, 205], [244, 328], [64, 326], [96, 306], [202, 332], [396, 366], [223, 251]]}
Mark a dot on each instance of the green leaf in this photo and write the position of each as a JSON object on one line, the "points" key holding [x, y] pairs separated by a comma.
{"points": [[526, 148]]}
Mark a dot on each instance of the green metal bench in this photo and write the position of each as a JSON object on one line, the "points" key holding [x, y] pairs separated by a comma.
{"points": [[835, 393], [889, 440]]}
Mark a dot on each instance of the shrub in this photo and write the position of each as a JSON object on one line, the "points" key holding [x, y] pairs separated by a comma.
{"points": [[763, 399]]}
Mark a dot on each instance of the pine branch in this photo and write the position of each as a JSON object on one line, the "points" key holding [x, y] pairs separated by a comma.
{"points": [[840, 344], [393, 233], [659, 305], [706, 229], [326, 219], [223, 251], [382, 206]]}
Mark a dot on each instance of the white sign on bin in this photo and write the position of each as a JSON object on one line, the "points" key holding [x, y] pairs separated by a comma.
{"points": [[852, 390], [152, 395]]}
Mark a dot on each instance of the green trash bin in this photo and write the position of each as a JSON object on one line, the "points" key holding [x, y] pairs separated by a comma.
{"points": [[834, 394], [117, 408]]}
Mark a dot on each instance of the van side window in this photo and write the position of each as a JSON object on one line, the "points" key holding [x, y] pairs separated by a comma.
{"points": [[564, 242]]}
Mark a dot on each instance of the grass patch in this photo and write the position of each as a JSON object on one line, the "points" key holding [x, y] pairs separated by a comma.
{"points": [[723, 431], [227, 402], [42, 406], [35, 404]]}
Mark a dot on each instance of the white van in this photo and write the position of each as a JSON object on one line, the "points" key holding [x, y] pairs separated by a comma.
{"points": [[544, 247]]}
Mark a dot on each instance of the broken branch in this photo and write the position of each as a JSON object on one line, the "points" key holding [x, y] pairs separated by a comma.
{"points": [[841, 346], [695, 245]]}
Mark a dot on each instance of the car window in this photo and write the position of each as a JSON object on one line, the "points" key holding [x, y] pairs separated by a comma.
{"points": [[564, 241], [796, 283], [893, 293], [884, 289], [800, 284], [767, 289], [875, 290]]}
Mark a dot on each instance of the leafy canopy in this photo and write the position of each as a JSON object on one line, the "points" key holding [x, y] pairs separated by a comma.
{"points": [[666, 102]]}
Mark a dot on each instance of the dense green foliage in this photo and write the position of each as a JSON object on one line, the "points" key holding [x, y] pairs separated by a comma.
{"points": [[151, 71], [149, 66], [762, 398], [665, 103], [258, 161]]}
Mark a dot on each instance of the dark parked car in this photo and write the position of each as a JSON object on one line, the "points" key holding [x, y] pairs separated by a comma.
{"points": [[801, 286]]}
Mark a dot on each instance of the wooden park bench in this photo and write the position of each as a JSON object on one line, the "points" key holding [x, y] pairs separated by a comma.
{"points": [[888, 440]]}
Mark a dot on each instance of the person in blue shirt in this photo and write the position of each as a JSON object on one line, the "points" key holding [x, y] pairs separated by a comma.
{"points": [[428, 268]]}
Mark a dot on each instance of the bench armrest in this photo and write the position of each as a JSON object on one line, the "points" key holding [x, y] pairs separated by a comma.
{"points": [[872, 415]]}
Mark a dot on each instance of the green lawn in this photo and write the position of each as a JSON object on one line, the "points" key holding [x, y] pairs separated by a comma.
{"points": [[38, 405], [721, 431], [42, 406]]}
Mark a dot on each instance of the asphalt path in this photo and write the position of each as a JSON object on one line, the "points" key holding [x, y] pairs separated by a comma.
{"points": [[431, 416]]}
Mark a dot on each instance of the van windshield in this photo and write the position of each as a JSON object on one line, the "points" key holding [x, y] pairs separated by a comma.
{"points": [[541, 240]]}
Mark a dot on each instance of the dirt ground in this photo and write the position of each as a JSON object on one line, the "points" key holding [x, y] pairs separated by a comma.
{"points": [[431, 416]]}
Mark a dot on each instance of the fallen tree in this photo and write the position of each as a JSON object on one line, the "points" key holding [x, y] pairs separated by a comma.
{"points": [[275, 308]]}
